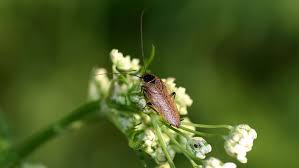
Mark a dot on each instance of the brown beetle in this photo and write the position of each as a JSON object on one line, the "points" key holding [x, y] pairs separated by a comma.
{"points": [[160, 99]]}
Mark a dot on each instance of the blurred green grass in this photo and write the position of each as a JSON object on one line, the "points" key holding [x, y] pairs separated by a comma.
{"points": [[237, 59]]}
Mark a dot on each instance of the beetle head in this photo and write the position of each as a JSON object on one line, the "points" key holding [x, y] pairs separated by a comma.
{"points": [[147, 77]]}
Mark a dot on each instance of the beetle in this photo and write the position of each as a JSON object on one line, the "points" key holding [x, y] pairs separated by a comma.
{"points": [[156, 93], [160, 99]]}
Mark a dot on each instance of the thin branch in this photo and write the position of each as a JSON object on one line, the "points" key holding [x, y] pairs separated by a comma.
{"points": [[208, 126], [161, 140], [17, 153]]}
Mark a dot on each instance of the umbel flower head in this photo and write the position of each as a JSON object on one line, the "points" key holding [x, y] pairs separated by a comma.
{"points": [[216, 163], [147, 132], [240, 141]]}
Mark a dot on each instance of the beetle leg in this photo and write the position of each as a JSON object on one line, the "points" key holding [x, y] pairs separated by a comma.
{"points": [[150, 105], [173, 94], [142, 87], [143, 90]]}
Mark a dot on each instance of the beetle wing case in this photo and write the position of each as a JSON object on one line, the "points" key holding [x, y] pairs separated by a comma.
{"points": [[159, 97]]}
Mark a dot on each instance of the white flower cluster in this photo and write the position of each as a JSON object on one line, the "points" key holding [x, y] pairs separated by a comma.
{"points": [[151, 146], [182, 99], [130, 122], [123, 63], [102, 79], [150, 141], [240, 141], [99, 84], [160, 156], [199, 147], [216, 163]]}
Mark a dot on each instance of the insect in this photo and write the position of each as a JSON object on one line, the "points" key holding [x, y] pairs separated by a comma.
{"points": [[157, 95], [160, 99]]}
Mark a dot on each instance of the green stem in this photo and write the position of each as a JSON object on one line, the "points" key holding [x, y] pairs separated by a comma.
{"points": [[183, 150], [176, 130], [194, 165], [197, 132], [161, 140], [17, 153], [208, 126]]}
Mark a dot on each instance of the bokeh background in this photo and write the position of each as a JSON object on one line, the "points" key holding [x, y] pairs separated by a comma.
{"points": [[238, 60]]}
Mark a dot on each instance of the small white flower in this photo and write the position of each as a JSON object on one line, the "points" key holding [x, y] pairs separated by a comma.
{"points": [[160, 156], [182, 99], [229, 165], [130, 122], [93, 93], [146, 118], [135, 64], [138, 100], [150, 141], [199, 147], [216, 163], [240, 141], [126, 122], [118, 94], [99, 84], [151, 146], [170, 83], [124, 63], [102, 80]]}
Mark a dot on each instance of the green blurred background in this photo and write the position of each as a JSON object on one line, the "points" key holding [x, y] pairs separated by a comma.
{"points": [[238, 60]]}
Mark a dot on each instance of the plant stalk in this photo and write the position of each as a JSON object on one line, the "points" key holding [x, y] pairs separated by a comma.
{"points": [[161, 140], [16, 153]]}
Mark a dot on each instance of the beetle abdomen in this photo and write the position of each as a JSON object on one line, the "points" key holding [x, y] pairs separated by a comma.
{"points": [[157, 94]]}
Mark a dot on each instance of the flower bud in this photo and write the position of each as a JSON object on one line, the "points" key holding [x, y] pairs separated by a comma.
{"points": [[199, 147]]}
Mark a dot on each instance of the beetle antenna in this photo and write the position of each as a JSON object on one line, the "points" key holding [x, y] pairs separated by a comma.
{"points": [[141, 35], [115, 73]]}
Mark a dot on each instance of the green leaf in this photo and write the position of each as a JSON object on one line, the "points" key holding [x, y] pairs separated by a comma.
{"points": [[149, 61]]}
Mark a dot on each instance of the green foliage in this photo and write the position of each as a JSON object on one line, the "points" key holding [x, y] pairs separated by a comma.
{"points": [[238, 59]]}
